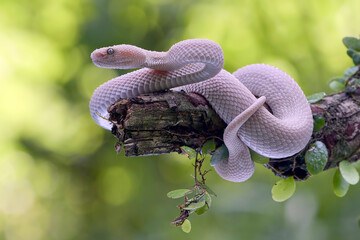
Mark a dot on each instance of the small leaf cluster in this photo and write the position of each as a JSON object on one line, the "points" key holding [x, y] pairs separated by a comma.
{"points": [[316, 158], [344, 176], [353, 48], [341, 83], [353, 51], [347, 174], [198, 199]]}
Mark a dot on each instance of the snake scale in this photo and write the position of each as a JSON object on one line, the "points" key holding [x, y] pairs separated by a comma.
{"points": [[196, 65]]}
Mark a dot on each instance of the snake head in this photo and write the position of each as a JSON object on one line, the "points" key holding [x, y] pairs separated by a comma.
{"points": [[119, 56]]}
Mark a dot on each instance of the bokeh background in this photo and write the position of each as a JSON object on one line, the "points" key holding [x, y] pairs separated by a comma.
{"points": [[60, 177]]}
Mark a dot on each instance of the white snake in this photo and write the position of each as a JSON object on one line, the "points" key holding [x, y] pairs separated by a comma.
{"points": [[196, 66]]}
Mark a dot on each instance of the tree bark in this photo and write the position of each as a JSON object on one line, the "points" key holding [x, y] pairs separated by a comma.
{"points": [[161, 123]]}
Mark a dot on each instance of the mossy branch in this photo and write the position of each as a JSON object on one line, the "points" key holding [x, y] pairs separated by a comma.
{"points": [[161, 123]]}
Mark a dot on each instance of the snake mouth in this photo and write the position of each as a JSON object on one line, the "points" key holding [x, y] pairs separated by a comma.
{"points": [[105, 61]]}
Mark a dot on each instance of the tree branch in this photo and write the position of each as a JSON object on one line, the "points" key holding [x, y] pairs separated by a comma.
{"points": [[161, 123]]}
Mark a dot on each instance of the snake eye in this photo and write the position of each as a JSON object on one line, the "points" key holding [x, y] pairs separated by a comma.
{"points": [[110, 51]]}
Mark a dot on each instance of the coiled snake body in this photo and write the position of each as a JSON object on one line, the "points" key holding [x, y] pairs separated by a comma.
{"points": [[195, 65]]}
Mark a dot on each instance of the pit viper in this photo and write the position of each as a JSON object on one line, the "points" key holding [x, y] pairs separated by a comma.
{"points": [[196, 65]]}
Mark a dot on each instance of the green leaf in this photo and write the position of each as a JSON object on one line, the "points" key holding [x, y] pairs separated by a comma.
{"points": [[316, 157], [189, 152], [220, 154], [186, 226], [315, 97], [258, 158], [352, 42], [206, 207], [319, 122], [202, 210], [196, 205], [349, 172], [340, 185], [350, 71], [208, 146], [283, 189], [178, 193], [337, 83], [355, 56]]}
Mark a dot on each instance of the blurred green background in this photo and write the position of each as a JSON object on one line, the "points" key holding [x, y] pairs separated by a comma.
{"points": [[60, 177]]}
